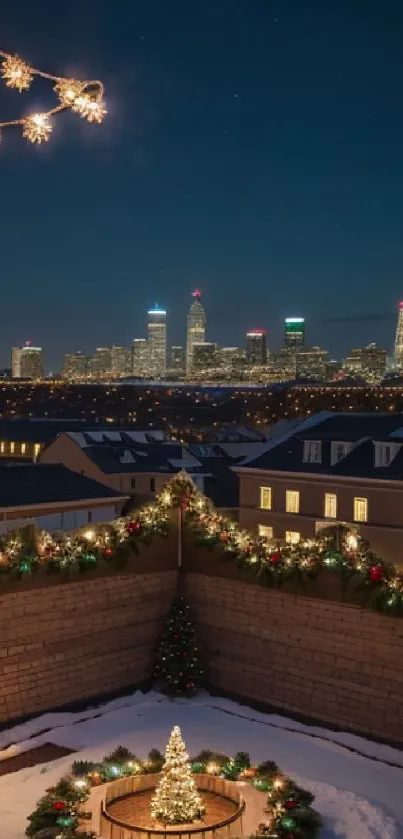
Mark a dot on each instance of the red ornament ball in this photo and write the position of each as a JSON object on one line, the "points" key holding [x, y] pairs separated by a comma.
{"points": [[223, 537], [59, 805], [290, 804], [275, 558], [376, 574], [108, 551], [134, 526]]}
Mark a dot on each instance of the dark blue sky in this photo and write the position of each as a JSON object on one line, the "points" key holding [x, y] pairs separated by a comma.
{"points": [[253, 148]]}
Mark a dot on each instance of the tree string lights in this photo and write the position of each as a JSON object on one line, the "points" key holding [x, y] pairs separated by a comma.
{"points": [[288, 813], [82, 97], [272, 561]]}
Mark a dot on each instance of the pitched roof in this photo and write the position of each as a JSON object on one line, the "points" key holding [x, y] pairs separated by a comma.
{"points": [[118, 451], [39, 483], [362, 431]]}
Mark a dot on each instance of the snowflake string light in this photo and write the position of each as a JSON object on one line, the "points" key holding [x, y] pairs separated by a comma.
{"points": [[16, 73], [37, 128], [82, 97], [68, 91], [91, 109]]}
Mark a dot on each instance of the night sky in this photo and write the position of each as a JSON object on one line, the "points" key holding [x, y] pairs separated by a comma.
{"points": [[253, 148]]}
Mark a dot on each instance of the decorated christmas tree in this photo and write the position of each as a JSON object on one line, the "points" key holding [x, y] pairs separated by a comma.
{"points": [[178, 669], [176, 800]]}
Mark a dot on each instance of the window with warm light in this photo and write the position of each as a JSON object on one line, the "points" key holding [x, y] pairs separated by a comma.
{"points": [[292, 537], [23, 448], [292, 501], [37, 448], [2, 447], [12, 448], [330, 505], [265, 498], [360, 509], [265, 532]]}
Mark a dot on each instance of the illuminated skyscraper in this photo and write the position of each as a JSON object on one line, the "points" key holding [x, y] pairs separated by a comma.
{"points": [[157, 342], [177, 364], [140, 358], [294, 333], [196, 328], [27, 362], [256, 348], [76, 365], [399, 339], [121, 361]]}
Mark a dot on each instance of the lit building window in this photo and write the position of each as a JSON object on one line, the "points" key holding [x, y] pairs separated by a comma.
{"points": [[265, 532], [292, 501], [265, 498], [37, 448], [12, 448], [360, 509], [2, 447], [292, 537], [330, 505], [23, 448]]}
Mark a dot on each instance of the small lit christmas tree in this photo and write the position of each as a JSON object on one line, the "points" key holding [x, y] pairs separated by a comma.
{"points": [[178, 669], [176, 799]]}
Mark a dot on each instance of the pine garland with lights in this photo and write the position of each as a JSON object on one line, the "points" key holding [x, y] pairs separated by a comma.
{"points": [[273, 562], [289, 813], [178, 669], [82, 97], [176, 799]]}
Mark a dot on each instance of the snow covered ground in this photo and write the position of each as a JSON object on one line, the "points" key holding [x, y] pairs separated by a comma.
{"points": [[358, 785]]}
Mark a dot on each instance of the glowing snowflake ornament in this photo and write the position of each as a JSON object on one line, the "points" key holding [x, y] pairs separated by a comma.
{"points": [[37, 128], [16, 73]]}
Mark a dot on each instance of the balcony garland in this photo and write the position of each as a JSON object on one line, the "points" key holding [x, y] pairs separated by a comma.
{"points": [[272, 562], [288, 813]]}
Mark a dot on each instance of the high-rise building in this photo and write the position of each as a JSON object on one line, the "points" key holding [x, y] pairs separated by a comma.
{"points": [[157, 342], [177, 364], [27, 362], [294, 333], [140, 362], [101, 362], [312, 363], [256, 348], [367, 362], [205, 356], [399, 339], [196, 328], [76, 365], [121, 361]]}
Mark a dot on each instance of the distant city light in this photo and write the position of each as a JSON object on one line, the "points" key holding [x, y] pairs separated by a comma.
{"points": [[295, 320], [196, 293], [255, 333], [156, 312]]}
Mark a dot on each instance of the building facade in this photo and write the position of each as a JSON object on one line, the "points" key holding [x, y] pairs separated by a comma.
{"points": [[256, 348], [205, 357], [337, 472], [177, 363], [140, 357], [399, 338], [294, 333], [121, 361], [27, 362], [157, 342], [76, 365], [196, 328], [101, 362]]}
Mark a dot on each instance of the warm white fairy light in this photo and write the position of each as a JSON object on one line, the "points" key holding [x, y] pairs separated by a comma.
{"points": [[91, 109], [83, 97], [37, 128], [16, 73], [68, 90]]}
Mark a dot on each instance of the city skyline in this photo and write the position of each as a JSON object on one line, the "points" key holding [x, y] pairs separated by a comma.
{"points": [[252, 150], [293, 331]]}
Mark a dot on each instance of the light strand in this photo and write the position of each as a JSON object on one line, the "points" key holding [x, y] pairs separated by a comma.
{"points": [[85, 98]]}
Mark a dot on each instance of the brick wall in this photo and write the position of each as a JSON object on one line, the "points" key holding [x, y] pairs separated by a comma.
{"points": [[306, 656], [75, 641]]}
